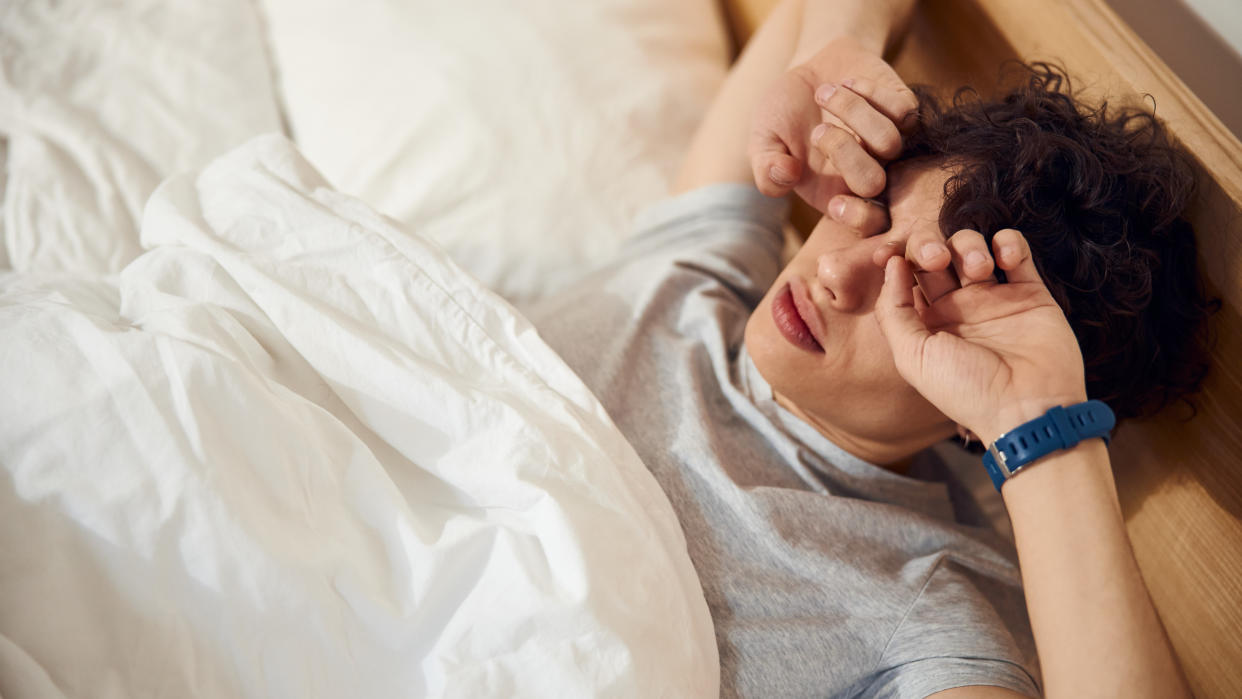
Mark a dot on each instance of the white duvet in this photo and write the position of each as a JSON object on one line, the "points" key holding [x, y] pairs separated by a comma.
{"points": [[291, 450]]}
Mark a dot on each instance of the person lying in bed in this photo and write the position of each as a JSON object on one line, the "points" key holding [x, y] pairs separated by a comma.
{"points": [[786, 412]]}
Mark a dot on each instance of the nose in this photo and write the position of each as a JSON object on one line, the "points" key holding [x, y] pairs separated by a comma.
{"points": [[851, 278]]}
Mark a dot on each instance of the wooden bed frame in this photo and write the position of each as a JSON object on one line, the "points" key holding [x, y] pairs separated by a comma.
{"points": [[1180, 481]]}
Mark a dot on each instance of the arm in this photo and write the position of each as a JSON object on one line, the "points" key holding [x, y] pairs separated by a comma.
{"points": [[991, 357], [717, 152], [774, 81], [876, 25], [1094, 623]]}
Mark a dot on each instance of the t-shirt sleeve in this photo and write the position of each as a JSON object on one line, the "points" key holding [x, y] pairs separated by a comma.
{"points": [[965, 628], [728, 231]]}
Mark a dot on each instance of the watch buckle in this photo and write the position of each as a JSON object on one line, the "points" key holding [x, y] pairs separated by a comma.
{"points": [[998, 457]]}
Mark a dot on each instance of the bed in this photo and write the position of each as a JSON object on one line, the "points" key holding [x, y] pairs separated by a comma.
{"points": [[302, 214], [258, 439], [1179, 479]]}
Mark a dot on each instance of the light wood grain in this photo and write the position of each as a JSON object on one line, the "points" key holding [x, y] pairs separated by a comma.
{"points": [[1180, 480]]}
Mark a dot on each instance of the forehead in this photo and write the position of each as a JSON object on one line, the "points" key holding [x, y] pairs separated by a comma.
{"points": [[914, 195], [916, 189]]}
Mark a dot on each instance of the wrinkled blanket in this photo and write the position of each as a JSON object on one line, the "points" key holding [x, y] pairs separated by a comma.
{"points": [[292, 450]]}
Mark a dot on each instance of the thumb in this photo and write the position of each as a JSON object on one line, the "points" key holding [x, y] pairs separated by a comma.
{"points": [[899, 321]]}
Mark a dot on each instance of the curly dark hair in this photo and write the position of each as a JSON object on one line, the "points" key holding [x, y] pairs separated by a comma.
{"points": [[1100, 194]]}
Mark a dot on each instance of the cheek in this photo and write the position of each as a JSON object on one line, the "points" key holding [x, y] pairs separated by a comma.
{"points": [[763, 341], [874, 373], [873, 363], [858, 364], [878, 355]]}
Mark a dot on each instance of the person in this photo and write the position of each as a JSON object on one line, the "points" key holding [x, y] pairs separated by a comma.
{"points": [[786, 412]]}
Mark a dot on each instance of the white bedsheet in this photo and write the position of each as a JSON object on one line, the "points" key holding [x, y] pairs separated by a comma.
{"points": [[293, 451], [100, 101]]}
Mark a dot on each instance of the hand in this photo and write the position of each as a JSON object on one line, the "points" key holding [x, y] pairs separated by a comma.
{"points": [[989, 356], [828, 126]]}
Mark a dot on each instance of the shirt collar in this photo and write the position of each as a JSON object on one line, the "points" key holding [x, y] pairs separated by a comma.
{"points": [[841, 472]]}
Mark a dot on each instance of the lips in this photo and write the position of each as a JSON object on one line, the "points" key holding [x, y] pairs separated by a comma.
{"points": [[790, 312], [807, 309]]}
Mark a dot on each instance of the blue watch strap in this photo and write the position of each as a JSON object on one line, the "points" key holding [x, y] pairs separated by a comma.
{"points": [[1059, 428]]}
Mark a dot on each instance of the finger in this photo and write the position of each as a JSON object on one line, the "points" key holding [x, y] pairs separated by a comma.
{"points": [[862, 174], [972, 260], [895, 101], [927, 251], [1013, 255], [899, 319], [893, 247], [876, 130], [897, 248], [862, 215], [774, 170]]}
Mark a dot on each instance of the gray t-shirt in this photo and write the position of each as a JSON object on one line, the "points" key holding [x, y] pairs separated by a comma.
{"points": [[825, 575]]}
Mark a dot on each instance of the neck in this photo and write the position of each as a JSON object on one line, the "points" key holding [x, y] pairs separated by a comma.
{"points": [[894, 454]]}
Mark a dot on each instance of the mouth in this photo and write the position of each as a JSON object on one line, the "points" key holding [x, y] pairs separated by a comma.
{"points": [[791, 311]]}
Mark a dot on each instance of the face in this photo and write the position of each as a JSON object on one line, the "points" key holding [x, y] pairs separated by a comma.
{"points": [[815, 338]]}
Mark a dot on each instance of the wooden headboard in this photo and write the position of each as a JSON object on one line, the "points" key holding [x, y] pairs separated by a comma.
{"points": [[1180, 481]]}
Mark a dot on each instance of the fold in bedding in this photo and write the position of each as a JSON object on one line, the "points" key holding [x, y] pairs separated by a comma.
{"points": [[291, 450], [100, 101]]}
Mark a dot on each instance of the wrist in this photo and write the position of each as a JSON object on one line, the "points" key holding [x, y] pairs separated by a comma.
{"points": [[1063, 471], [1055, 432], [871, 24], [1019, 412]]}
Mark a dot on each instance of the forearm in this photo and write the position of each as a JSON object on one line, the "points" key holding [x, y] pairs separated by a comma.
{"points": [[874, 23], [717, 153], [1094, 624]]}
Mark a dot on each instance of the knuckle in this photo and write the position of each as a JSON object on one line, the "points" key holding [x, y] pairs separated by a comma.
{"points": [[863, 86], [835, 140], [843, 102], [856, 110]]}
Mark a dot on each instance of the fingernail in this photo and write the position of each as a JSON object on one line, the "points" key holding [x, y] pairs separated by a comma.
{"points": [[1009, 252], [975, 259], [848, 83], [931, 251], [778, 175], [818, 133], [837, 208], [824, 92]]}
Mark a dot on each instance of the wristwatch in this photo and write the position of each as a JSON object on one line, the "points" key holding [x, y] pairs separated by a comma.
{"points": [[1059, 428]]}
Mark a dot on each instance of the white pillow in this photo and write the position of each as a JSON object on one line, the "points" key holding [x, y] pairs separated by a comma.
{"points": [[100, 101], [521, 136]]}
